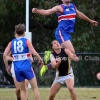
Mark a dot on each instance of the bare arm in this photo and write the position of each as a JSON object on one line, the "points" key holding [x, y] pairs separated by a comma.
{"points": [[33, 51], [72, 55], [10, 53], [55, 62], [84, 17], [9, 58], [55, 9], [6, 57], [31, 57]]}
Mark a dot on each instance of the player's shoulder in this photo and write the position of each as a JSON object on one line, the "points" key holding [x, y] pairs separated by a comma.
{"points": [[21, 39], [52, 52], [24, 38], [59, 6], [73, 5], [13, 39], [62, 5]]}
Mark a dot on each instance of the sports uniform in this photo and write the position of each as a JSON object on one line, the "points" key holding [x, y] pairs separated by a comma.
{"points": [[66, 22], [12, 70], [21, 59], [64, 71]]}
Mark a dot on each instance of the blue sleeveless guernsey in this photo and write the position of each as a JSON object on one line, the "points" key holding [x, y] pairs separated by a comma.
{"points": [[67, 18], [20, 54], [66, 22]]}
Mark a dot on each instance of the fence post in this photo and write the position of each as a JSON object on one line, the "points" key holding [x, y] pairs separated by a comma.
{"points": [[2, 71], [78, 72]]}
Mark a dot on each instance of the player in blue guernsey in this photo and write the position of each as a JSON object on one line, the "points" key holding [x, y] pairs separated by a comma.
{"points": [[20, 48], [66, 12]]}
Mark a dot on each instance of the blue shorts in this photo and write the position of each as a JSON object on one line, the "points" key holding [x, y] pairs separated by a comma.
{"points": [[24, 74], [62, 36]]}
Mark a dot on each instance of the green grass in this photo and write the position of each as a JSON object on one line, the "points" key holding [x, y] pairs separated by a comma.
{"points": [[63, 94]]}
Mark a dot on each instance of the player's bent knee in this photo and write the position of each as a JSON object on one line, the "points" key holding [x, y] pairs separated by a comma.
{"points": [[71, 88], [72, 50]]}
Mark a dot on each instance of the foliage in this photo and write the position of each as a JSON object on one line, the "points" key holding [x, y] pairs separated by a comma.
{"points": [[84, 39]]}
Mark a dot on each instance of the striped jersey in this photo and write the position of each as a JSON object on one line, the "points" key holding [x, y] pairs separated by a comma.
{"points": [[20, 54], [66, 19]]}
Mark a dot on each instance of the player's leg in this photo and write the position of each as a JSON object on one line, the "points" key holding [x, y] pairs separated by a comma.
{"points": [[16, 83], [34, 86], [23, 90], [17, 89], [64, 39], [70, 85], [26, 87], [30, 75], [54, 89], [20, 77], [68, 44]]}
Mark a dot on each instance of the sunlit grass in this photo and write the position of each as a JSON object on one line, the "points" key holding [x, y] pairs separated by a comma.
{"points": [[63, 94]]}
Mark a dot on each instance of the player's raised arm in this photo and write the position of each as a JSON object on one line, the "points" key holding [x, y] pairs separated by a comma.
{"points": [[72, 55], [84, 17], [55, 62], [33, 51], [55, 9]]}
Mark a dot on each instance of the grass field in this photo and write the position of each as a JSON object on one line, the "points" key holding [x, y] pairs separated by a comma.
{"points": [[63, 94]]}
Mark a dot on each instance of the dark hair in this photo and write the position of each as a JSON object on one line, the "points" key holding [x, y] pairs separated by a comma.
{"points": [[52, 42], [20, 29]]}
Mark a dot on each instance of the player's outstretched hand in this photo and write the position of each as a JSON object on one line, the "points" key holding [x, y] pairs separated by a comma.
{"points": [[95, 23], [34, 10]]}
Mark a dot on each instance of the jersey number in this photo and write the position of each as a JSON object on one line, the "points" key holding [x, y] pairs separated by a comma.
{"points": [[18, 46]]}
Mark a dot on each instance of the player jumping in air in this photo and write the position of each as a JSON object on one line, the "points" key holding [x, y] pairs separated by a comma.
{"points": [[20, 48], [66, 12]]}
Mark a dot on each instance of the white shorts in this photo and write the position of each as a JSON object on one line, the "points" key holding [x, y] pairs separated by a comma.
{"points": [[62, 79], [12, 70]]}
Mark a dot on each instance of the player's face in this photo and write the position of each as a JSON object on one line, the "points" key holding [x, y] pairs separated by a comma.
{"points": [[56, 45], [66, 1]]}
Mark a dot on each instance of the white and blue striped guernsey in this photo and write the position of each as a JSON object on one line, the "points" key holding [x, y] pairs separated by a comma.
{"points": [[66, 19], [20, 54]]}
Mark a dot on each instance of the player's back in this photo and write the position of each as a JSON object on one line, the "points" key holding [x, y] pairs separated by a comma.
{"points": [[20, 54]]}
